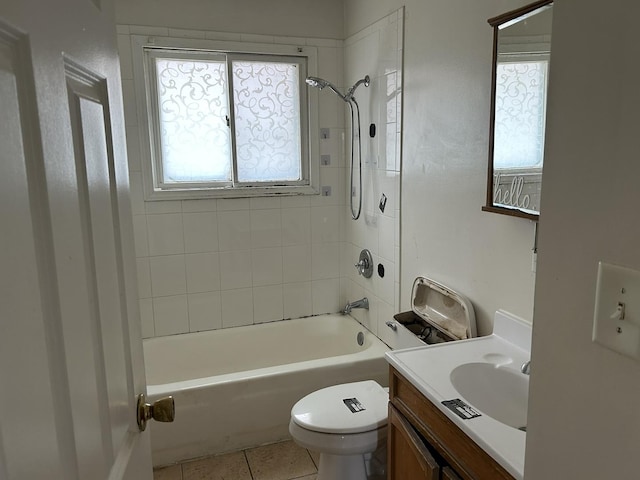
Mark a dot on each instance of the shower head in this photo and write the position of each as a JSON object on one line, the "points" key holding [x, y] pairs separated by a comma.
{"points": [[316, 82]]}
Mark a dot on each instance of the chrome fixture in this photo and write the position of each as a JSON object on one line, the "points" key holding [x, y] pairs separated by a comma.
{"points": [[362, 303], [392, 325], [526, 367], [365, 264], [351, 100]]}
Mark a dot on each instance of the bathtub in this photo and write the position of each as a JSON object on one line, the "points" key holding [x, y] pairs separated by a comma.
{"points": [[234, 388]]}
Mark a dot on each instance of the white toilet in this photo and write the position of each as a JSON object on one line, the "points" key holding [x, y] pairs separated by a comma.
{"points": [[345, 424]]}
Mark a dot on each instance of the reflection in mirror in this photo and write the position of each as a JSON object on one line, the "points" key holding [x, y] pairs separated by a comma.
{"points": [[522, 47]]}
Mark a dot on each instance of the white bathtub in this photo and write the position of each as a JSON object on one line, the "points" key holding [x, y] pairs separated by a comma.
{"points": [[234, 388]]}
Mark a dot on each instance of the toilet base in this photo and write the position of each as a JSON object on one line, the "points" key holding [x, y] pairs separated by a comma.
{"points": [[353, 467], [342, 467]]}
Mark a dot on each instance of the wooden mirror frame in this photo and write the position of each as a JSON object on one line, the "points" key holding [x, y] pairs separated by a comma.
{"points": [[496, 22]]}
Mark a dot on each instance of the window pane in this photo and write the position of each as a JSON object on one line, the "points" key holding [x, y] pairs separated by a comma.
{"points": [[193, 109], [267, 121], [520, 107]]}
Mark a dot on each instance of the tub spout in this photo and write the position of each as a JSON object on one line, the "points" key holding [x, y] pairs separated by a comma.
{"points": [[362, 303]]}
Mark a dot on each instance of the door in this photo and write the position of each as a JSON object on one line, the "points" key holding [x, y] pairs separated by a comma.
{"points": [[70, 348], [407, 455]]}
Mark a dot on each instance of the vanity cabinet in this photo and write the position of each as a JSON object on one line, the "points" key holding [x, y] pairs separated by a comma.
{"points": [[424, 444]]}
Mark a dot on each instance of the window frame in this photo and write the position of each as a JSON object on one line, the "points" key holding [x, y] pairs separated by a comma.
{"points": [[146, 49]]}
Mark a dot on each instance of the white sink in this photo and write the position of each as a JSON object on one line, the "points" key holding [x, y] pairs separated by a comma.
{"points": [[500, 392]]}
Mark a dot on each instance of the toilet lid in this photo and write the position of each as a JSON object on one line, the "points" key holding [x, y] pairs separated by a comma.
{"points": [[347, 408]]}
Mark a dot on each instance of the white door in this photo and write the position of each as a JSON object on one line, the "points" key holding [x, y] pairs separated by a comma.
{"points": [[70, 349]]}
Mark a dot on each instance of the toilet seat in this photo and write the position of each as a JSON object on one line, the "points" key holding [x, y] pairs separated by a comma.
{"points": [[349, 408]]}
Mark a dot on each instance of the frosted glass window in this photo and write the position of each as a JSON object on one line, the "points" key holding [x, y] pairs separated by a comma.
{"points": [[520, 114], [193, 120], [227, 123], [267, 121]]}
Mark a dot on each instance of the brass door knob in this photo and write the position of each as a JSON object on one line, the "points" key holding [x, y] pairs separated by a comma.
{"points": [[162, 410]]}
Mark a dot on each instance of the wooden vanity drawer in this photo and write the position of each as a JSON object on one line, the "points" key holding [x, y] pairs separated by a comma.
{"points": [[468, 460]]}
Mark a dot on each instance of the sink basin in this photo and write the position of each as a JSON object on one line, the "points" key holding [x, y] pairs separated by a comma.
{"points": [[498, 392]]}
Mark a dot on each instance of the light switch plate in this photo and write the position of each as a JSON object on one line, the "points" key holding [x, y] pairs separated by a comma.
{"points": [[616, 321]]}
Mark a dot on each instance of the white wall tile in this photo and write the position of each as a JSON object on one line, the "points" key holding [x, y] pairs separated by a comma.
{"points": [[266, 228], [383, 287], [229, 204], [237, 307], [199, 205], [140, 235], [168, 275], [164, 206], [146, 318], [144, 277], [200, 232], [386, 237], [264, 203], [266, 265], [325, 296], [165, 234], [334, 178], [325, 260], [268, 304], [296, 226], [203, 272], [295, 201], [234, 229], [205, 311], [296, 263], [297, 299], [235, 270], [325, 224], [170, 315]]}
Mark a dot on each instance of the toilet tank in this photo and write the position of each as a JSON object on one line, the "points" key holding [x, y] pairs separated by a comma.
{"points": [[438, 314]]}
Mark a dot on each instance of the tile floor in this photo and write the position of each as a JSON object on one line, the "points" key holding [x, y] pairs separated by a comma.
{"points": [[278, 461]]}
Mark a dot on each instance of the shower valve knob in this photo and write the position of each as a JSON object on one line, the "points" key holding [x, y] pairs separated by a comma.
{"points": [[365, 264]]}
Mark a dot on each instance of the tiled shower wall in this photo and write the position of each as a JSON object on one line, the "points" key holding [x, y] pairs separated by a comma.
{"points": [[208, 264], [377, 51]]}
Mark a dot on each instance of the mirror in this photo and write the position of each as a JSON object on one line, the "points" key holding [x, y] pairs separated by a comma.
{"points": [[521, 52]]}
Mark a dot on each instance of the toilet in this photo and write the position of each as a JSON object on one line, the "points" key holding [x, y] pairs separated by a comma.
{"points": [[347, 423]]}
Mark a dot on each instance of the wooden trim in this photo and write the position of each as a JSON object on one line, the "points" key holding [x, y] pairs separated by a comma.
{"points": [[518, 12], [469, 460], [495, 22], [511, 211]]}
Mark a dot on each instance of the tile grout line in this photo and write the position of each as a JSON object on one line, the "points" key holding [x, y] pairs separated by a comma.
{"points": [[246, 459]]}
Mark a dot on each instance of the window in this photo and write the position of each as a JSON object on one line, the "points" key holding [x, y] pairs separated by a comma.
{"points": [[521, 87], [226, 122]]}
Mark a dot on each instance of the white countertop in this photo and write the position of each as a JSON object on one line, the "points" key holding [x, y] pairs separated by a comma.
{"points": [[429, 367]]}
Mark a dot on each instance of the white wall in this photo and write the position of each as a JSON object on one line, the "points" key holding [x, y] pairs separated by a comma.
{"points": [[445, 235], [302, 18], [583, 397]]}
